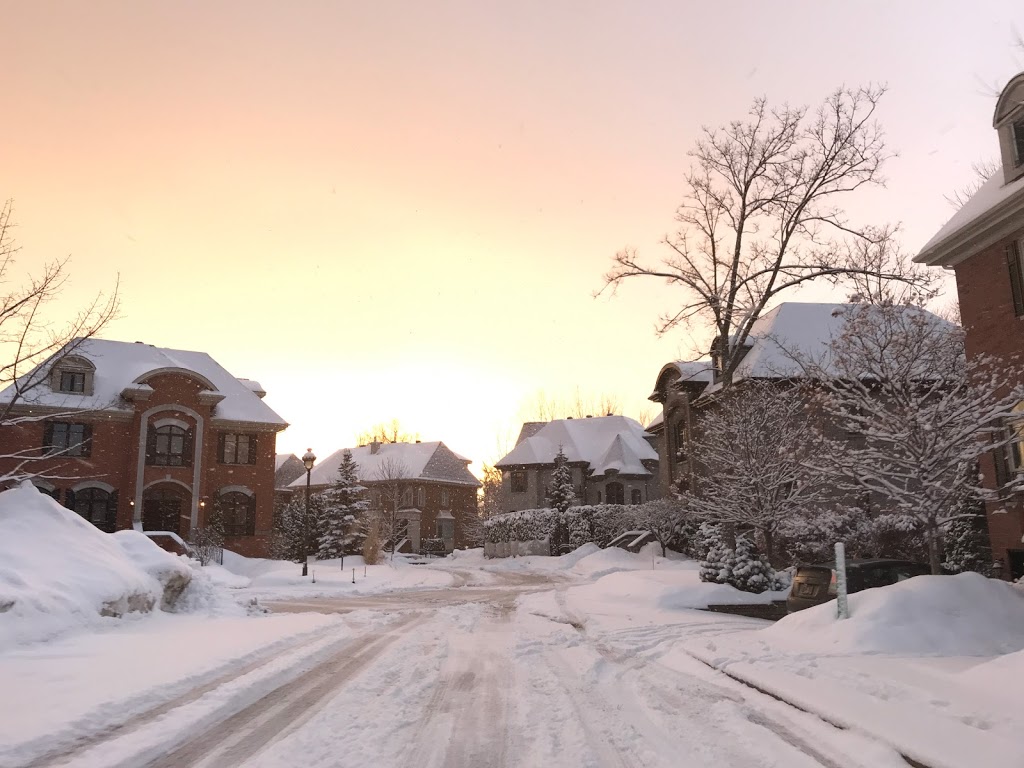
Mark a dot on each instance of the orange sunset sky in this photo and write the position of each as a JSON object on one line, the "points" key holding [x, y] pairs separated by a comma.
{"points": [[401, 210]]}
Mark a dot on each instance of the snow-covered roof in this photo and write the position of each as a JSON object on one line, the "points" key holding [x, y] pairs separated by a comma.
{"points": [[978, 224], [121, 364], [605, 443], [281, 458], [799, 331], [783, 337], [419, 461]]}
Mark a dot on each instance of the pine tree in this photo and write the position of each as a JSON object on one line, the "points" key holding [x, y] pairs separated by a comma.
{"points": [[751, 571], [966, 546], [560, 494], [716, 567], [298, 531], [344, 511]]}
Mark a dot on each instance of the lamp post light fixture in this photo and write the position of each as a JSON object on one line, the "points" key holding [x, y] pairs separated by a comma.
{"points": [[308, 460]]}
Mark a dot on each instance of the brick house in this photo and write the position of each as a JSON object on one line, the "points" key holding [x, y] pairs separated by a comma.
{"points": [[611, 459], [983, 243], [436, 492], [135, 436]]}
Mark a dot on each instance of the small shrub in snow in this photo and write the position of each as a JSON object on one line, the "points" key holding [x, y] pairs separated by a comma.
{"points": [[716, 567], [966, 546], [751, 571]]}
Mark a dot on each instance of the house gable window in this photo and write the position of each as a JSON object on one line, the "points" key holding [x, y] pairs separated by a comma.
{"points": [[67, 439], [615, 493], [169, 446], [1017, 136], [236, 448], [238, 513], [72, 381], [518, 479], [421, 497], [72, 375], [1013, 263]]}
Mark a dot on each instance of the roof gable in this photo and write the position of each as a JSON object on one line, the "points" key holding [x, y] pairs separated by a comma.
{"points": [[415, 461]]}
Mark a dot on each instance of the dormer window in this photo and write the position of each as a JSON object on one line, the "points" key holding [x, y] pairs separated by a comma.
{"points": [[1018, 141], [72, 381], [72, 375]]}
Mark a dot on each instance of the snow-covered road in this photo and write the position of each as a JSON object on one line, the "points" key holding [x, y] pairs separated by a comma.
{"points": [[500, 674]]}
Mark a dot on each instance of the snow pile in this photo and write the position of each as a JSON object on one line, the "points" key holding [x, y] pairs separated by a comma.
{"points": [[962, 615], [172, 571], [58, 571]]}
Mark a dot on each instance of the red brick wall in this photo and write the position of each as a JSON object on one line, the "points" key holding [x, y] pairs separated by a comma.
{"points": [[986, 307], [115, 453]]}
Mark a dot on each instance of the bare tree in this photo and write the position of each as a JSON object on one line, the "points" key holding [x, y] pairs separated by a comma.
{"points": [[752, 446], [392, 432], [492, 494], [545, 408], [762, 216], [392, 477], [27, 338], [661, 517], [898, 378], [982, 171]]}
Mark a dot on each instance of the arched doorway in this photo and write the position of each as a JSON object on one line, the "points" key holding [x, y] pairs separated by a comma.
{"points": [[163, 508]]}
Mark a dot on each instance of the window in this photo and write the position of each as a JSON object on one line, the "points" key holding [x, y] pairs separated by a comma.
{"points": [[598, 497], [679, 433], [615, 493], [237, 449], [519, 481], [446, 500], [407, 497], [1018, 141], [635, 496], [96, 505], [66, 439], [238, 513], [169, 446], [1013, 262], [421, 497], [72, 381], [374, 498]]}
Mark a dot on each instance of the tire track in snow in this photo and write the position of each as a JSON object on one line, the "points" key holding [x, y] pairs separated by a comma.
{"points": [[464, 722], [239, 737], [68, 752]]}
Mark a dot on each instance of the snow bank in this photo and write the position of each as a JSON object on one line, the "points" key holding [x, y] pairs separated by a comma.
{"points": [[58, 571], [962, 615], [172, 571]]}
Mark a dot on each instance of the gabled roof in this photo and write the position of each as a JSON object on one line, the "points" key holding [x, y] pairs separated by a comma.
{"points": [[789, 333], [992, 213], [121, 364], [416, 461], [603, 442], [282, 458]]}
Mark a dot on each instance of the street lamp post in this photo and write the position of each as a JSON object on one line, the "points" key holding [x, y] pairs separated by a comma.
{"points": [[308, 460]]}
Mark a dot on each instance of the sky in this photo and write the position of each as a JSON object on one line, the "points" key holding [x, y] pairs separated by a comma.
{"points": [[404, 210]]}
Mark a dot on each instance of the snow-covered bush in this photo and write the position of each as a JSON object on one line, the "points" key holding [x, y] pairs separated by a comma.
{"points": [[716, 567], [577, 525], [966, 546], [751, 571]]}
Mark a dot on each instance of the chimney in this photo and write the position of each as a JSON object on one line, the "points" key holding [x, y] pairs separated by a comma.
{"points": [[417, 442], [589, 416], [374, 446]]}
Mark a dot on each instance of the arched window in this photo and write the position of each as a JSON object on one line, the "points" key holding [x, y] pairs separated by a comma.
{"points": [[238, 513], [407, 497], [615, 493], [169, 446], [636, 497], [421, 497], [96, 505]]}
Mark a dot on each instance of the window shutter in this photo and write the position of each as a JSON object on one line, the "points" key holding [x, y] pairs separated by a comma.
{"points": [[220, 447], [48, 437], [86, 441], [252, 449], [1013, 263], [999, 458], [186, 459]]}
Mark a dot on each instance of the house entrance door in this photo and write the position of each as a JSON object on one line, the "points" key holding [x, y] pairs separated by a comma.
{"points": [[163, 509]]}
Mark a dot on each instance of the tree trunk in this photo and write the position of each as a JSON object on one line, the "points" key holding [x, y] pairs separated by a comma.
{"points": [[769, 544], [934, 557]]}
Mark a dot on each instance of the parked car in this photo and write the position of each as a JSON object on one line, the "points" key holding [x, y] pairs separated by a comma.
{"points": [[170, 541], [816, 584], [632, 541]]}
